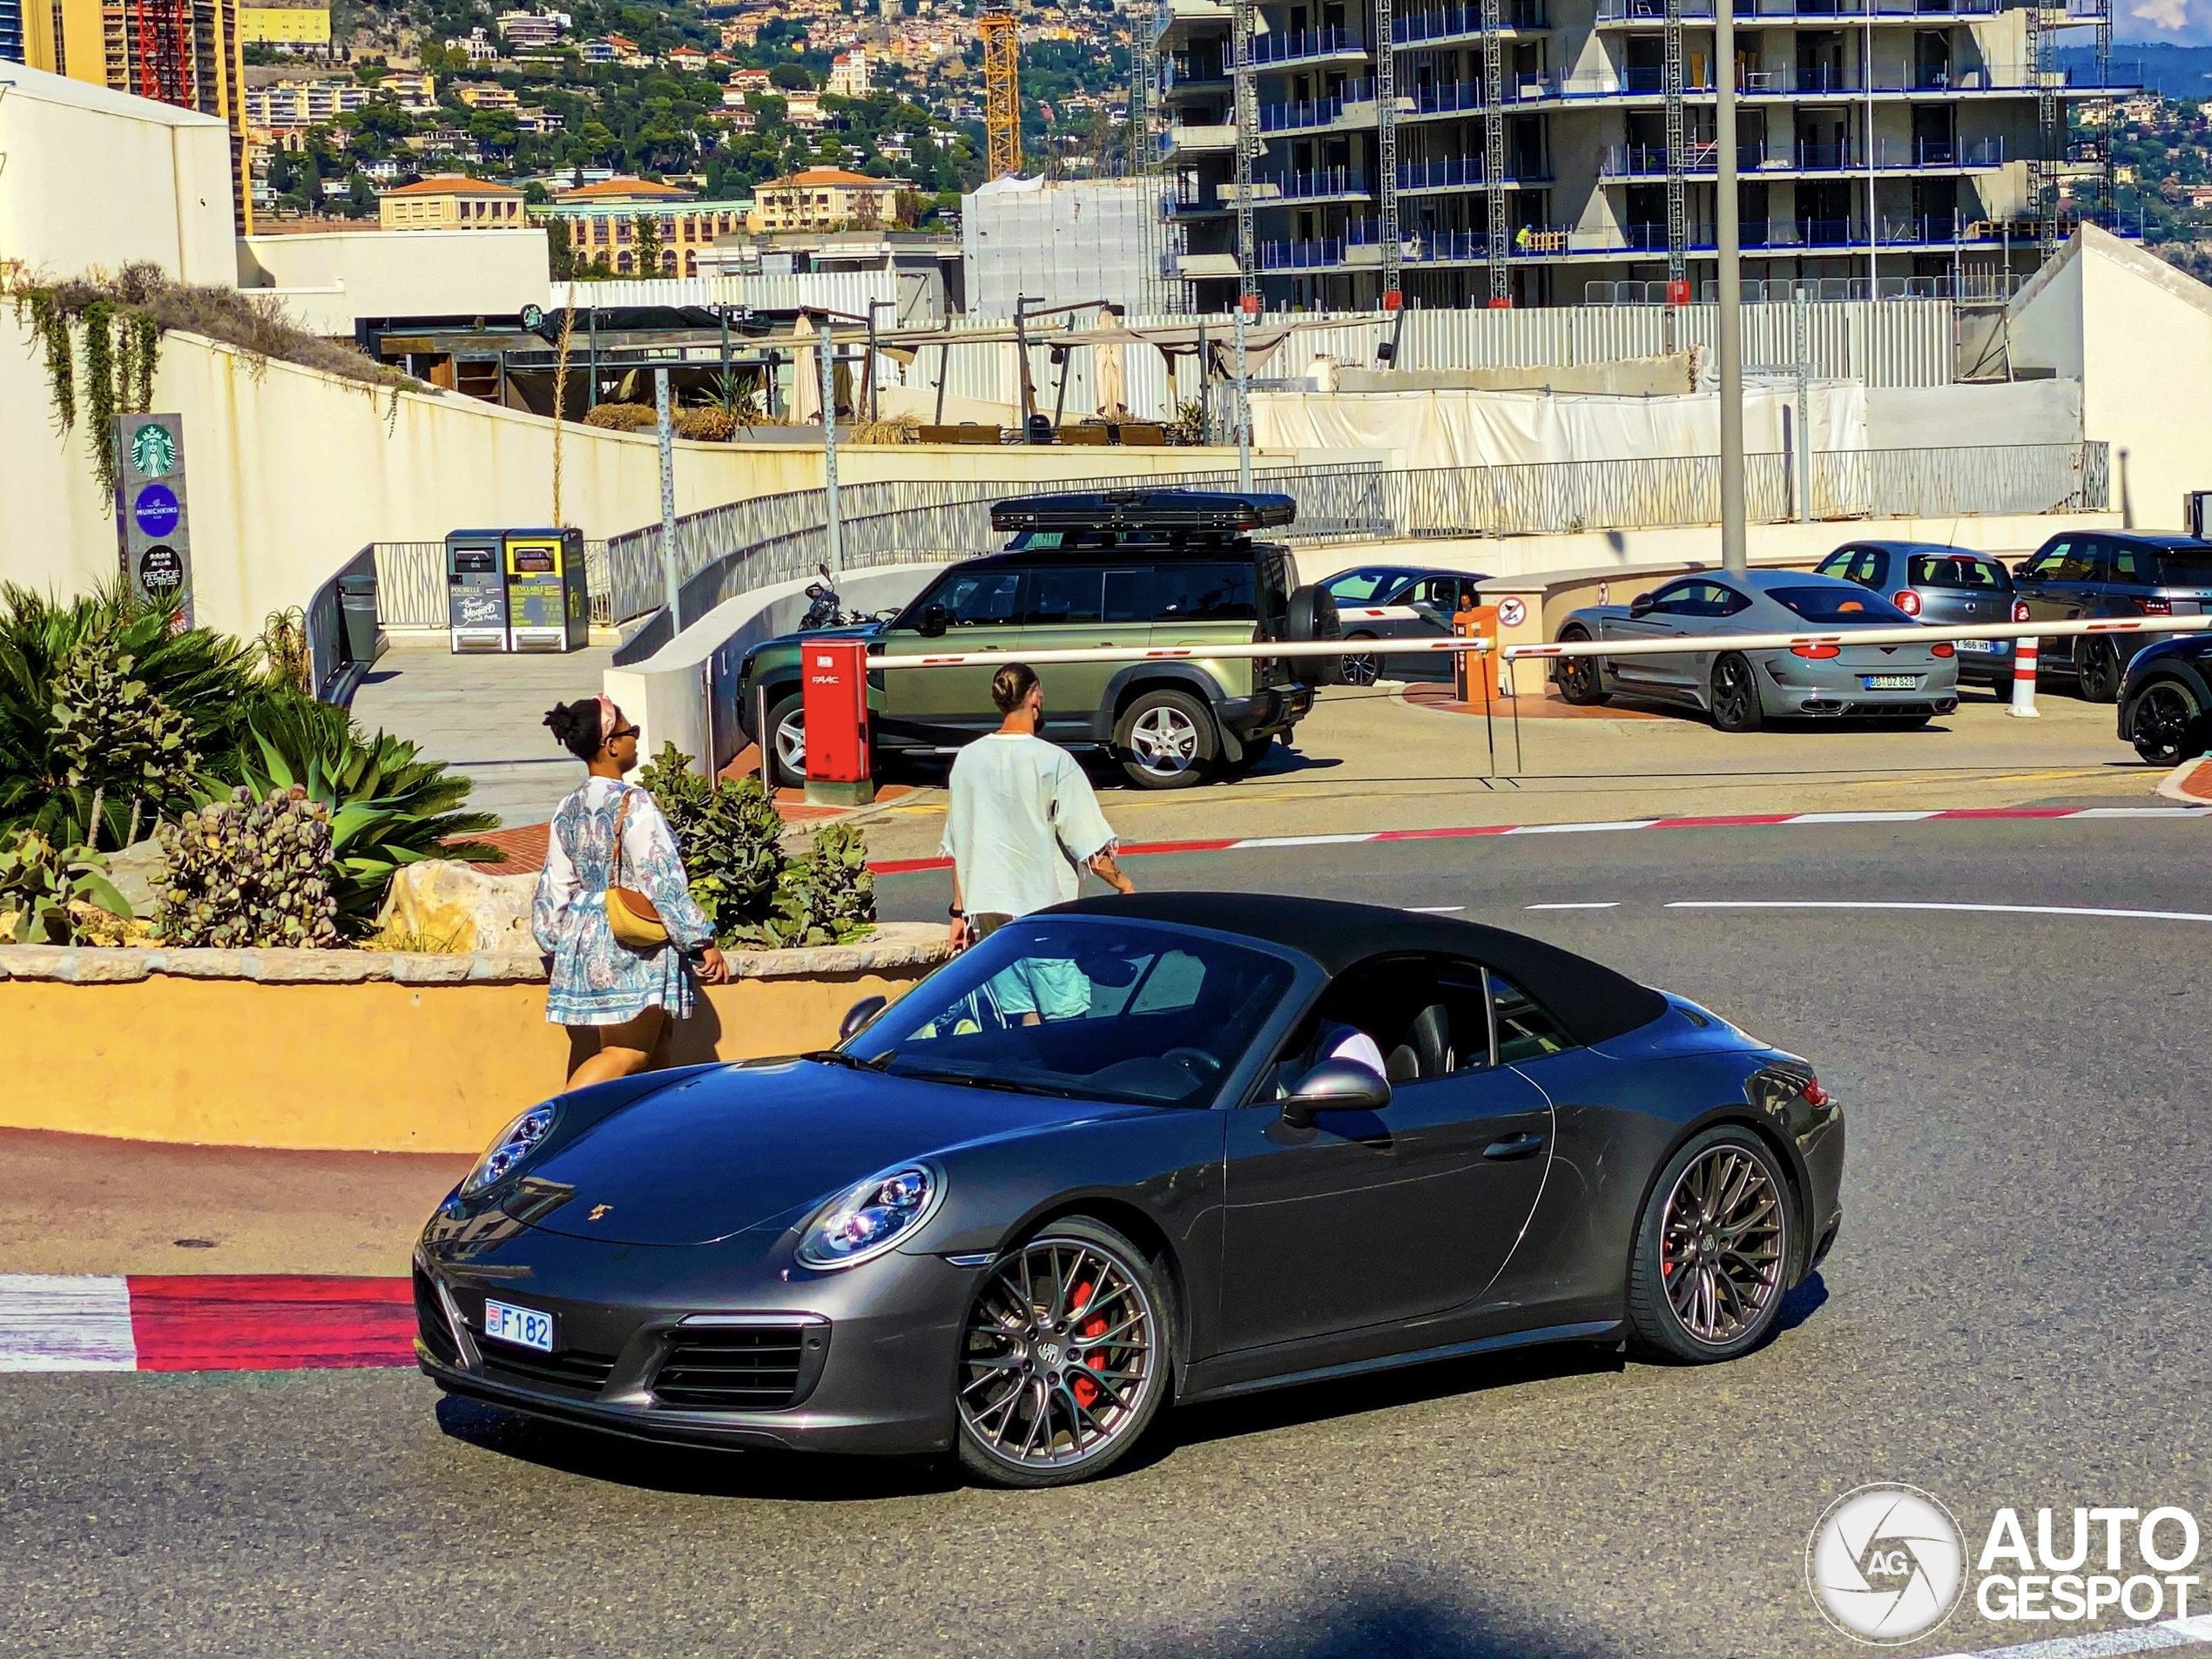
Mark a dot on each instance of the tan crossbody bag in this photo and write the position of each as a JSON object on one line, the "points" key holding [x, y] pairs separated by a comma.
{"points": [[632, 918]]}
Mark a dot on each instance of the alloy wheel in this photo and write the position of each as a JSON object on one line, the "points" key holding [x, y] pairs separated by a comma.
{"points": [[790, 745], [1166, 741], [1735, 697], [2164, 716], [1363, 670], [1059, 1359], [1721, 1253]]}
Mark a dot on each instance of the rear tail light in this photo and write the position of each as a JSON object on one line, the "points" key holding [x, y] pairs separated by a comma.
{"points": [[2155, 607], [1819, 653], [2020, 610], [1942, 648], [1908, 602], [1815, 1095]]}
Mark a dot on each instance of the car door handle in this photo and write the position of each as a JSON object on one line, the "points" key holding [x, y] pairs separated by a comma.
{"points": [[1513, 1146]]}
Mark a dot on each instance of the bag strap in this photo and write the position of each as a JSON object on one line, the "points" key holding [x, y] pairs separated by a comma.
{"points": [[614, 863]]}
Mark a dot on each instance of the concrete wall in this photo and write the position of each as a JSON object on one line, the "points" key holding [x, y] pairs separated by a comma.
{"points": [[329, 279], [101, 179], [291, 472]]}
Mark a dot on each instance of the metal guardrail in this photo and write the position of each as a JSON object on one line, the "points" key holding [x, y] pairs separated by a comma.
{"points": [[411, 583], [335, 667], [732, 550]]}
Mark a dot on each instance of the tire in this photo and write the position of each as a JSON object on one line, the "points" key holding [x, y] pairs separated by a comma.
{"points": [[1682, 1311], [2098, 669], [1735, 694], [1313, 616], [1254, 755], [787, 720], [1026, 1399], [2166, 722], [1581, 685], [1363, 670], [1166, 739]]}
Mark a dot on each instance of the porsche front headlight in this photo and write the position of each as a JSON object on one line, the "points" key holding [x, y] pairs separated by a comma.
{"points": [[867, 1220], [514, 1144]]}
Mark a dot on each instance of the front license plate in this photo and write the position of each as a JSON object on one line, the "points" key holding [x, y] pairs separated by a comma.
{"points": [[1889, 682], [1977, 647], [525, 1328]]}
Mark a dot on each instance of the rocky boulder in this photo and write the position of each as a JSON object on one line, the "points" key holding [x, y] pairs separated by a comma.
{"points": [[443, 905]]}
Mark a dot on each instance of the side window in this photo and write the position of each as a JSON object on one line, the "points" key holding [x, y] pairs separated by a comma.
{"points": [[2130, 564], [2095, 557], [1129, 596], [1425, 1015], [1675, 600], [2046, 564], [980, 598], [1838, 565], [1728, 602], [1062, 594], [1202, 593], [1872, 568], [1525, 1031], [1357, 587]]}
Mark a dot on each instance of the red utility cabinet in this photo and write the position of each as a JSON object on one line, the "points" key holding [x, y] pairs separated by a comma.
{"points": [[834, 687]]}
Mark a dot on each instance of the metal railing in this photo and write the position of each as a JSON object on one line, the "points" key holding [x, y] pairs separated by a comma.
{"points": [[733, 550], [1969, 288], [332, 665]]}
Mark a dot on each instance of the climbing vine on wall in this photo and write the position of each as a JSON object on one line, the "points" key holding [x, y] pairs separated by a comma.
{"points": [[100, 356]]}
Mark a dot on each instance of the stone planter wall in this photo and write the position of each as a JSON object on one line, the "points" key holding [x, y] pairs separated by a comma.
{"points": [[365, 1050]]}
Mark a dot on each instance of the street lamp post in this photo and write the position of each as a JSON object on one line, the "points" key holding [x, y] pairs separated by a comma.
{"points": [[829, 445], [665, 431], [1243, 399], [1735, 557]]}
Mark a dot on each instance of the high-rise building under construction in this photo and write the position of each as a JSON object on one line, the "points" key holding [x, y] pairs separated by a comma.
{"points": [[1520, 152], [185, 52]]}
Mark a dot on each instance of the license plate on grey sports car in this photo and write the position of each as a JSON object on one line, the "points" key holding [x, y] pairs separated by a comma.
{"points": [[1889, 682], [525, 1328], [1977, 647]]}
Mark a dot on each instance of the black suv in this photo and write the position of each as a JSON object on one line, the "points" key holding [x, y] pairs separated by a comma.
{"points": [[1124, 568], [2105, 573]]}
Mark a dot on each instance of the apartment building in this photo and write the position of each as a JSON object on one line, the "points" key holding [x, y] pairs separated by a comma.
{"points": [[848, 75], [302, 104], [1537, 147], [641, 228], [827, 199], [450, 202]]}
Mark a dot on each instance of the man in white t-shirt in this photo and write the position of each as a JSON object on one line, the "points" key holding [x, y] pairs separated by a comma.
{"points": [[1022, 826]]}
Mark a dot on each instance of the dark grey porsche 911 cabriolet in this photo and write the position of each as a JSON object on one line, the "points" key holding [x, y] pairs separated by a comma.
{"points": [[1132, 1151]]}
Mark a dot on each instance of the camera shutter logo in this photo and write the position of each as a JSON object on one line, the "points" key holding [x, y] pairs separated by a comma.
{"points": [[1887, 1564]]}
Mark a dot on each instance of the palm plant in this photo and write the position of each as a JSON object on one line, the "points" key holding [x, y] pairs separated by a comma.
{"points": [[387, 807]]}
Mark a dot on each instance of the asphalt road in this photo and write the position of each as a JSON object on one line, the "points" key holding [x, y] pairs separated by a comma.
{"points": [[2014, 1315]]}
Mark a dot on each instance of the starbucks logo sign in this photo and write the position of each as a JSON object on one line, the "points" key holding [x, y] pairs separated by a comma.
{"points": [[153, 452]]}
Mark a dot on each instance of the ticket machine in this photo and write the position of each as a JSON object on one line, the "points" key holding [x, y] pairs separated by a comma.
{"points": [[549, 606], [476, 591]]}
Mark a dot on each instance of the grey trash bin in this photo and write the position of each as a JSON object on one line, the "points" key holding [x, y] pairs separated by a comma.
{"points": [[357, 607]]}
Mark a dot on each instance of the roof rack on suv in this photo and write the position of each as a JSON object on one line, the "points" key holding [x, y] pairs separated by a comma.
{"points": [[1169, 511]]}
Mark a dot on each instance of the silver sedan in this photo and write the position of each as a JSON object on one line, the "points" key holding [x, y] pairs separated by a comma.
{"points": [[1901, 685]]}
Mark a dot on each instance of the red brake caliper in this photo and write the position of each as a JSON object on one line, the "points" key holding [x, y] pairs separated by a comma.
{"points": [[1084, 1389]]}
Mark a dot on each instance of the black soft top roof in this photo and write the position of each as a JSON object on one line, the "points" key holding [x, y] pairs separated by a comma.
{"points": [[1592, 1001]]}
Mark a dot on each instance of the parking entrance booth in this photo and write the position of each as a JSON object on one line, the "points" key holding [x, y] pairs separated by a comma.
{"points": [[549, 607], [476, 591], [834, 687]]}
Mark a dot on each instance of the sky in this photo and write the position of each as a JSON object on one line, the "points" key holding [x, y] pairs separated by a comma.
{"points": [[2181, 23]]}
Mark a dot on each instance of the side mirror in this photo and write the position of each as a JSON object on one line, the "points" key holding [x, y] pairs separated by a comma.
{"points": [[932, 622], [1640, 605], [860, 1014], [1335, 1086]]}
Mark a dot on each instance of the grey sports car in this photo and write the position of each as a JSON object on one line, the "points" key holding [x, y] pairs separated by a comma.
{"points": [[1902, 686]]}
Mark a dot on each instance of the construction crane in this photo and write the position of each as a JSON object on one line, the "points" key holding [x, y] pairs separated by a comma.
{"points": [[1002, 92]]}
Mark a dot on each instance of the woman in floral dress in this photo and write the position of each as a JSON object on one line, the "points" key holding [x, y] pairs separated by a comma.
{"points": [[615, 1001]]}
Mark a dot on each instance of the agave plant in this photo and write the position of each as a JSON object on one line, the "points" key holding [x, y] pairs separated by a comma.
{"points": [[201, 680], [387, 805]]}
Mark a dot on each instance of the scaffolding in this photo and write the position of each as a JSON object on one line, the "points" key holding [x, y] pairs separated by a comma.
{"points": [[2045, 164], [1678, 191], [1248, 143], [1394, 250], [1493, 154], [1002, 36]]}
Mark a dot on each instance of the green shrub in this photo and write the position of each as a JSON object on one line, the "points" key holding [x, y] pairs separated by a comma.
{"points": [[119, 738], [39, 881], [243, 872], [386, 806]]}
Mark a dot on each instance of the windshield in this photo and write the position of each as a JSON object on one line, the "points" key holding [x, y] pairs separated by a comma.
{"points": [[1959, 570], [1839, 604], [1357, 587], [1086, 1007]]}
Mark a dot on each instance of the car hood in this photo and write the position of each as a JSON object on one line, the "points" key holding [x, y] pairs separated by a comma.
{"points": [[748, 1145]]}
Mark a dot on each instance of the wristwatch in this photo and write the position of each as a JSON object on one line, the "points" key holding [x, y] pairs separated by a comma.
{"points": [[956, 913]]}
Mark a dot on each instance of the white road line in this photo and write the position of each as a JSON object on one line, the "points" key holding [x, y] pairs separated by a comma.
{"points": [[1901, 904], [1605, 904], [2139, 812], [55, 1322], [1860, 818], [1578, 829], [1434, 910], [1299, 840], [2142, 1638]]}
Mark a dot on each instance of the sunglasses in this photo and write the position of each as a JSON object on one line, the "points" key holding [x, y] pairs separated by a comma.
{"points": [[622, 731]]}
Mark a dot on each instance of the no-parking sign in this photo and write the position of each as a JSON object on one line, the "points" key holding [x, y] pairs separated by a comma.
{"points": [[1512, 612]]}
